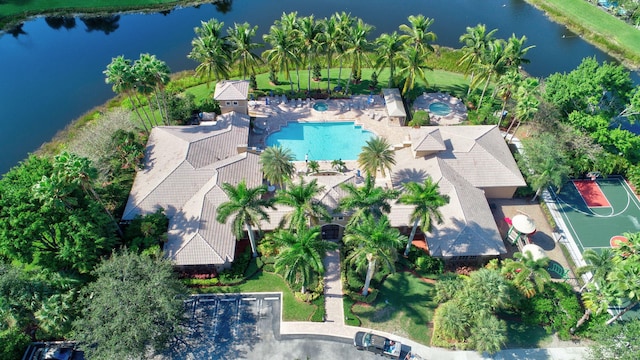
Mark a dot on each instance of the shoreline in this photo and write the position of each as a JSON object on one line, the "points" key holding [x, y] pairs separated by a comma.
{"points": [[617, 51]]}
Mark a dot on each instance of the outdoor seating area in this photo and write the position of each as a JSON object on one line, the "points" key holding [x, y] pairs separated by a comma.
{"points": [[443, 108]]}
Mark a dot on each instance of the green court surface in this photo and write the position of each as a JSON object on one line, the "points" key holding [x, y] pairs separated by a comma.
{"points": [[594, 227]]}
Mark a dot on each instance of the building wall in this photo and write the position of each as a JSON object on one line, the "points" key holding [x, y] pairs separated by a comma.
{"points": [[499, 192], [239, 106]]}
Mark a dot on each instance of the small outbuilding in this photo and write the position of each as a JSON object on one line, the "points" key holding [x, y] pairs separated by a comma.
{"points": [[395, 107], [232, 96]]}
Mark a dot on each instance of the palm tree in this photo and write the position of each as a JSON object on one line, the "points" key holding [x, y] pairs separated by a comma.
{"points": [[345, 24], [119, 73], [283, 53], [338, 165], [427, 200], [159, 72], [489, 335], [357, 47], [366, 200], [309, 32], [372, 241], [377, 155], [306, 209], [599, 264], [289, 24], [249, 208], [417, 34], [552, 172], [277, 164], [78, 171], [475, 42], [146, 84], [506, 87], [300, 254], [526, 102], [492, 65], [242, 48], [528, 275], [626, 265], [452, 321], [330, 42], [211, 50], [412, 68], [515, 52], [388, 47]]}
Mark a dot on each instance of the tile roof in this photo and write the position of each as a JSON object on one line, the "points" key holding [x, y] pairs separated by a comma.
{"points": [[393, 101], [427, 139], [231, 90]]}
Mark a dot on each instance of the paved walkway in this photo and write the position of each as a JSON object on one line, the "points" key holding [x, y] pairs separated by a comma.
{"points": [[334, 327]]}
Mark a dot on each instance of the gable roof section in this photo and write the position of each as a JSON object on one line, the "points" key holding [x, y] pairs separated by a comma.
{"points": [[231, 90], [179, 161], [427, 139], [480, 153]]}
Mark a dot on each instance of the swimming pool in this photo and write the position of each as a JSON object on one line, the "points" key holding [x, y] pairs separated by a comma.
{"points": [[440, 108], [321, 141]]}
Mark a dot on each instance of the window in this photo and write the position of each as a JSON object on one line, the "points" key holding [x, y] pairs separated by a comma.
{"points": [[235, 103], [228, 103]]}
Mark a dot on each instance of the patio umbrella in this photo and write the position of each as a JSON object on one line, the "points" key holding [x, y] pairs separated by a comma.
{"points": [[536, 251], [523, 224]]}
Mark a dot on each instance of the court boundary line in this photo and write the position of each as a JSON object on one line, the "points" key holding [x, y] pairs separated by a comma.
{"points": [[568, 223], [599, 188]]}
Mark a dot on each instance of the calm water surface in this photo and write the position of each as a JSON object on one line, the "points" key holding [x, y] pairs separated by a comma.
{"points": [[48, 77]]}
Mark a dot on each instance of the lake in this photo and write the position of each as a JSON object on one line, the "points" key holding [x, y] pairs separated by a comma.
{"points": [[52, 74]]}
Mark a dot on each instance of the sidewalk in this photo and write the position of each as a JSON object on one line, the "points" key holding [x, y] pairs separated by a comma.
{"points": [[334, 328]]}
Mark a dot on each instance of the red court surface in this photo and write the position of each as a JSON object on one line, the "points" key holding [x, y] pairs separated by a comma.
{"points": [[617, 240], [591, 193]]}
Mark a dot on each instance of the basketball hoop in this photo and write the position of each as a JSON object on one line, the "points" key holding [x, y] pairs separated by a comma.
{"points": [[593, 175]]}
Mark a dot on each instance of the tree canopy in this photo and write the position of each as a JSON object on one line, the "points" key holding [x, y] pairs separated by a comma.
{"points": [[135, 305]]}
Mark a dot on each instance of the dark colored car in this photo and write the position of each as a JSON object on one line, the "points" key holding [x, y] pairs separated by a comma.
{"points": [[377, 344]]}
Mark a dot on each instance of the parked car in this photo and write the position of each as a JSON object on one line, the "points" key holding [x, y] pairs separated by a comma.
{"points": [[377, 344]]}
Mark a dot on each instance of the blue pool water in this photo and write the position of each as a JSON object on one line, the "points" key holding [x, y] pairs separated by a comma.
{"points": [[322, 141], [440, 108]]}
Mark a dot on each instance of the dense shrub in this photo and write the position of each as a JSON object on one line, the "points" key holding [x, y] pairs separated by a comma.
{"points": [[147, 231], [556, 309], [237, 271], [13, 343], [420, 118], [201, 282]]}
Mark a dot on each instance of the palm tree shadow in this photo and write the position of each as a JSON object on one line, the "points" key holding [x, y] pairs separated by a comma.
{"points": [[408, 175]]}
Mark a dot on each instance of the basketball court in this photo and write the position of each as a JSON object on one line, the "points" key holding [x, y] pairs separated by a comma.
{"points": [[597, 212]]}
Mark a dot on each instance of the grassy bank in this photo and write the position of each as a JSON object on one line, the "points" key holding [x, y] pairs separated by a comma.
{"points": [[600, 28], [14, 12]]}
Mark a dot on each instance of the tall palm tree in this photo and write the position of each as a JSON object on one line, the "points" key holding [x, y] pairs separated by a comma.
{"points": [[306, 209], [377, 155], [527, 102], [243, 47], [283, 54], [146, 84], [120, 75], [506, 87], [372, 241], [515, 52], [528, 275], [491, 66], [417, 34], [345, 24], [248, 207], [159, 71], [330, 42], [309, 31], [211, 49], [388, 48], [475, 42], [289, 24], [427, 200], [277, 164], [366, 200], [599, 264], [357, 47], [300, 254], [412, 68]]}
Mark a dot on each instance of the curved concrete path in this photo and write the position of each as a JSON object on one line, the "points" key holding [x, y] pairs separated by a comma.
{"points": [[334, 328]]}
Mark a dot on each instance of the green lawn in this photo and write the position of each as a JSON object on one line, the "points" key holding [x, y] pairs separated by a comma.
{"points": [[293, 310], [595, 25], [439, 80], [404, 307]]}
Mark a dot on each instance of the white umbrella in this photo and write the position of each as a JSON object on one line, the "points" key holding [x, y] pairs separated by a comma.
{"points": [[523, 224], [536, 251]]}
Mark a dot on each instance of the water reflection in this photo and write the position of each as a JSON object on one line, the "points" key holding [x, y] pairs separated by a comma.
{"points": [[58, 22], [106, 24]]}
